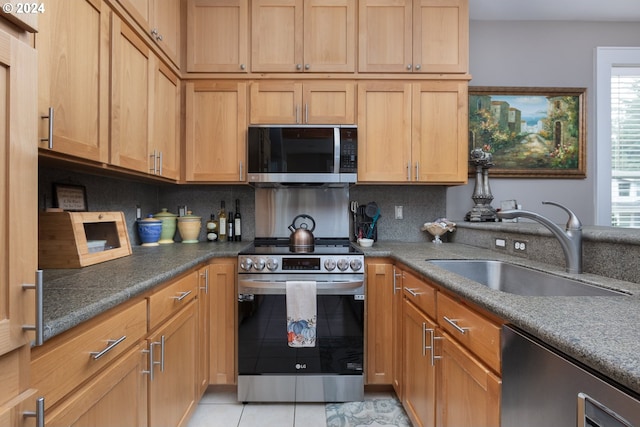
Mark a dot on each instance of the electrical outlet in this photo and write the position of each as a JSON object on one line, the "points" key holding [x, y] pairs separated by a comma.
{"points": [[520, 246], [399, 212]]}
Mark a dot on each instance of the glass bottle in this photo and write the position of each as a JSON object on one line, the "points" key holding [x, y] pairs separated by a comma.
{"points": [[237, 223], [222, 223], [212, 229]]}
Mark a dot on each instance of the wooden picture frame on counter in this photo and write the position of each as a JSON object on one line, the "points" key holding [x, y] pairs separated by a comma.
{"points": [[70, 197], [531, 132]]}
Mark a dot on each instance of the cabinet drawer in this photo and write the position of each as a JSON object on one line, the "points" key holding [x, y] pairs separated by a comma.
{"points": [[172, 298], [420, 293], [71, 359], [477, 333]]}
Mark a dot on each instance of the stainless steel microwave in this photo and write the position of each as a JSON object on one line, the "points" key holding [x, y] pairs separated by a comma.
{"points": [[302, 154]]}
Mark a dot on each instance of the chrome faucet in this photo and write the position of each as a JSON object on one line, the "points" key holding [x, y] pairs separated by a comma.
{"points": [[570, 239]]}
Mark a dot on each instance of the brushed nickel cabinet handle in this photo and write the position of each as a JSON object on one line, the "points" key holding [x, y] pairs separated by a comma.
{"points": [[38, 414], [205, 276], [50, 137], [182, 295], [412, 292], [453, 322], [39, 325], [95, 355]]}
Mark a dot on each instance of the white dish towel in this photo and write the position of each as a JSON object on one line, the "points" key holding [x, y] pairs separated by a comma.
{"points": [[301, 313]]}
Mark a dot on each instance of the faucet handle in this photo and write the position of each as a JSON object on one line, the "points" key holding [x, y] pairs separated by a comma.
{"points": [[574, 222]]}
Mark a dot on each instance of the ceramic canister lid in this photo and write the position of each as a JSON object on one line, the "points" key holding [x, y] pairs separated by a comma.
{"points": [[189, 217], [150, 219], [164, 214]]}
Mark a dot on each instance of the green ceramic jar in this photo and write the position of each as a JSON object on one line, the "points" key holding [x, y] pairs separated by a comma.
{"points": [[168, 226]]}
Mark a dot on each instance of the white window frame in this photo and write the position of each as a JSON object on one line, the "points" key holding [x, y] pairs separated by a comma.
{"points": [[606, 58]]}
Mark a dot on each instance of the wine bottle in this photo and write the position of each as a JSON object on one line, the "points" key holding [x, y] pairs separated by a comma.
{"points": [[222, 223], [230, 228], [237, 223]]}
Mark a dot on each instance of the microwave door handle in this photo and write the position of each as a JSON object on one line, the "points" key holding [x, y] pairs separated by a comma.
{"points": [[336, 150]]}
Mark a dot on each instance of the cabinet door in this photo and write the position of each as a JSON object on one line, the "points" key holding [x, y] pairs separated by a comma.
{"points": [[468, 392], [165, 27], [440, 147], [131, 69], [276, 103], [115, 397], [73, 78], [204, 331], [441, 36], [18, 214], [277, 35], [379, 305], [397, 333], [419, 395], [384, 131], [172, 389], [216, 129], [329, 103], [329, 35], [385, 36], [217, 36], [224, 316], [165, 113]]}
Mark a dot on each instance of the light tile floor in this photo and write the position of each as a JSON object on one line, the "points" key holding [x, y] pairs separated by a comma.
{"points": [[220, 408]]}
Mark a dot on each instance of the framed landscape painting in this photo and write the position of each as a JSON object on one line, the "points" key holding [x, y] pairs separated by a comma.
{"points": [[530, 132]]}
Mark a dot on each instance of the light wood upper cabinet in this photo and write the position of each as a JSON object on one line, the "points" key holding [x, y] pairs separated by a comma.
{"points": [[73, 78], [164, 142], [423, 36], [223, 24], [288, 102], [144, 107], [303, 36], [216, 129], [412, 132], [18, 213], [160, 19]]}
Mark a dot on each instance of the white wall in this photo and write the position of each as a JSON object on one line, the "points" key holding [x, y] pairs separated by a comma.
{"points": [[541, 54]]}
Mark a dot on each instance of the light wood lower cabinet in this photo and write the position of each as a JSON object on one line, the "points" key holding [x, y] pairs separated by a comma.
{"points": [[115, 397], [171, 388], [203, 333], [446, 367], [224, 315]]}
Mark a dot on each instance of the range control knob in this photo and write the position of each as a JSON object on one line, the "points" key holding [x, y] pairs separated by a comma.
{"points": [[330, 264], [246, 264], [355, 264], [343, 264], [258, 264], [272, 264]]}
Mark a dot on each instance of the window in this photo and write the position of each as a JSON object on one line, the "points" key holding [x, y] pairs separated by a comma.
{"points": [[618, 137]]}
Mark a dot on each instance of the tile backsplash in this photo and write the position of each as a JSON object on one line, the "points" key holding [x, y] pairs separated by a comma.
{"points": [[420, 203]]}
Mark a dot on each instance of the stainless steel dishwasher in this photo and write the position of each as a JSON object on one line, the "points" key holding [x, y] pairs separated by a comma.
{"points": [[542, 387]]}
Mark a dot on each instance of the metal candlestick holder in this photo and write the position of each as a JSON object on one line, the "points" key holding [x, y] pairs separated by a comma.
{"points": [[482, 211]]}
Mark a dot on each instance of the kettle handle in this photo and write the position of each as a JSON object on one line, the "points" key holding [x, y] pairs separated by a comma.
{"points": [[292, 227]]}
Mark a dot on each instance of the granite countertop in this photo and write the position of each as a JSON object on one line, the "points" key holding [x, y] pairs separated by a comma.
{"points": [[601, 332]]}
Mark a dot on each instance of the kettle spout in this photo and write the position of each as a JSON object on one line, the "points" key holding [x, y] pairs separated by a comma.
{"points": [[292, 228]]}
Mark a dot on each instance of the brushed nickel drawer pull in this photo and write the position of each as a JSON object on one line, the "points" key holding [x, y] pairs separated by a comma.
{"points": [[412, 292], [38, 414], [182, 295], [95, 355], [453, 323]]}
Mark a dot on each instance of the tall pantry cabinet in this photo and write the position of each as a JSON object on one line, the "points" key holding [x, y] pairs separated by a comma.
{"points": [[18, 213]]}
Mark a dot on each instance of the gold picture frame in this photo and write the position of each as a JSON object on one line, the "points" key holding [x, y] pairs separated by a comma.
{"points": [[531, 132]]}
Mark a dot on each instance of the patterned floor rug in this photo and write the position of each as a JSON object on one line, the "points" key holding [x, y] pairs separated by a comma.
{"points": [[370, 413]]}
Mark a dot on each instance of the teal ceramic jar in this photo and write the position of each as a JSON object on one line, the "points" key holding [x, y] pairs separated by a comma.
{"points": [[168, 226]]}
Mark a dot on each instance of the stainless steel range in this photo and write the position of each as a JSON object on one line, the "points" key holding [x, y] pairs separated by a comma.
{"points": [[328, 366]]}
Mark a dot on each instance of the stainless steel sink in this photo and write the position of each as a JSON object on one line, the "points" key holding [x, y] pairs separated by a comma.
{"points": [[515, 279]]}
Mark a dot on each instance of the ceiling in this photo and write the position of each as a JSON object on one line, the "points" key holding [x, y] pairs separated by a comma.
{"points": [[555, 10]]}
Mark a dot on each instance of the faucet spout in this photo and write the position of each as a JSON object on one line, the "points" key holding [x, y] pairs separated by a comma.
{"points": [[570, 238]]}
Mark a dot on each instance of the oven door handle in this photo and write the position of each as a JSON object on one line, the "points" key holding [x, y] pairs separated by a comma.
{"points": [[258, 286]]}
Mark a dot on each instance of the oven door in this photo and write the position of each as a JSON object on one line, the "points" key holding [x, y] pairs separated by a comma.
{"points": [[270, 370]]}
